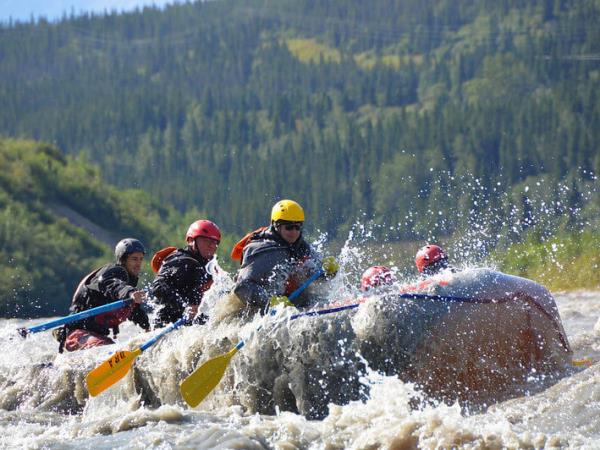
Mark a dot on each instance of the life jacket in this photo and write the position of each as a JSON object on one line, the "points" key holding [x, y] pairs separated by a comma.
{"points": [[238, 249], [292, 283], [164, 290], [160, 256], [85, 298], [113, 319], [424, 284]]}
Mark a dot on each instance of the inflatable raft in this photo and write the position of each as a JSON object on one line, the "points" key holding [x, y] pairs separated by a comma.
{"points": [[476, 336]]}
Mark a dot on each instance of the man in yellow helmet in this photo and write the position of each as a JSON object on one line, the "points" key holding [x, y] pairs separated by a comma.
{"points": [[276, 260]]}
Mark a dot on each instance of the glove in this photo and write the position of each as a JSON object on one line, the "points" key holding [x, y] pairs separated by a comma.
{"points": [[330, 266], [200, 319], [280, 300]]}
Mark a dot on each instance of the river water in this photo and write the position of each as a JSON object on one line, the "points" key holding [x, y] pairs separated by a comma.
{"points": [[44, 404]]}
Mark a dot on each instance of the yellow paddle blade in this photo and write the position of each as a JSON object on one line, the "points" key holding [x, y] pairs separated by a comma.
{"points": [[205, 378], [110, 371], [584, 362]]}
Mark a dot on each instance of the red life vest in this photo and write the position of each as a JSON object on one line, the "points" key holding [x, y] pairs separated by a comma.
{"points": [[113, 319], [292, 283], [84, 298], [238, 249], [160, 256]]}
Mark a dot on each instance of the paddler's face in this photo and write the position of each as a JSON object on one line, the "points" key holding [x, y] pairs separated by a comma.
{"points": [[133, 263], [290, 232], [206, 247]]}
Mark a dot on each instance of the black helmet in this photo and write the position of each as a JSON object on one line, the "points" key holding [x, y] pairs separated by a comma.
{"points": [[127, 247]]}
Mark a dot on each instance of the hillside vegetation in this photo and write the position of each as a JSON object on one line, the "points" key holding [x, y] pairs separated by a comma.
{"points": [[472, 123], [42, 255], [377, 108], [563, 263]]}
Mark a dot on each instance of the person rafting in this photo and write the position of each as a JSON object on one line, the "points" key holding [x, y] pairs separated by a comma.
{"points": [[182, 277], [431, 260], [111, 282], [275, 260], [375, 278]]}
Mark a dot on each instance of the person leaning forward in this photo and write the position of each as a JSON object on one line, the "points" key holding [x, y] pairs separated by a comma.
{"points": [[183, 278], [112, 282], [275, 260]]}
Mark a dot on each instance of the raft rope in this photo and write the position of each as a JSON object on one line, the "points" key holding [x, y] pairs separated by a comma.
{"points": [[453, 299]]}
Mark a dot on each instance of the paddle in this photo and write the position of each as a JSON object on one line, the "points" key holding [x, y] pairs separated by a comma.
{"points": [[301, 288], [304, 285], [205, 378], [584, 362], [117, 366], [74, 317]]}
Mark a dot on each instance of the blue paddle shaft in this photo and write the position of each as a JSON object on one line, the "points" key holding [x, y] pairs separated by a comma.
{"points": [[75, 317], [167, 330], [301, 288], [320, 312], [304, 285]]}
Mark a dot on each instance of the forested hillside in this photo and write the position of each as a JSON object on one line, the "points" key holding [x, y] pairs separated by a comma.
{"points": [[42, 255], [434, 118]]}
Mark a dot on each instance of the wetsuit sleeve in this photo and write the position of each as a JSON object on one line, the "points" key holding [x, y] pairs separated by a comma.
{"points": [[199, 281], [180, 281], [160, 287], [262, 276], [139, 317], [113, 284]]}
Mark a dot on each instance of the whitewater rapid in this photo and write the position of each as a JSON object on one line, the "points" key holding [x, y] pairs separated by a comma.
{"points": [[43, 402]]}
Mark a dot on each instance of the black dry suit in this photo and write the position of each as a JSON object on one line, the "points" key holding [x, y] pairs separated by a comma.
{"points": [[105, 285], [181, 281], [272, 266]]}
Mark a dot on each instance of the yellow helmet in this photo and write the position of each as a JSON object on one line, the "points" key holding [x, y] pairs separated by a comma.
{"points": [[287, 210]]}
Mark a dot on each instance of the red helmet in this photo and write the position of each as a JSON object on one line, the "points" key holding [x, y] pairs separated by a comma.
{"points": [[430, 255], [376, 276], [204, 228]]}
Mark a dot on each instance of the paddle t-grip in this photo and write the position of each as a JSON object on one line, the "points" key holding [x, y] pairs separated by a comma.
{"points": [[22, 332]]}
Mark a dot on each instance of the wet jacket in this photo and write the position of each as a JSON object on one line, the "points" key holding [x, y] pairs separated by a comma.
{"points": [[105, 285], [271, 266], [181, 281]]}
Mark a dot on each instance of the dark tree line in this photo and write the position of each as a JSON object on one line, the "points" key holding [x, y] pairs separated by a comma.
{"points": [[392, 111]]}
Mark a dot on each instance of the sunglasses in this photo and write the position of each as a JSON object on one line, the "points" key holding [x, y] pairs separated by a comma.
{"points": [[292, 226]]}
